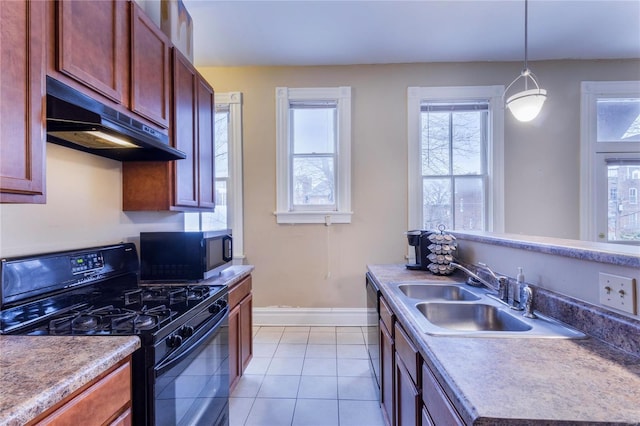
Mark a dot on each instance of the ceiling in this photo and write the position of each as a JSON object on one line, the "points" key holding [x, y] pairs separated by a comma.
{"points": [[330, 32]]}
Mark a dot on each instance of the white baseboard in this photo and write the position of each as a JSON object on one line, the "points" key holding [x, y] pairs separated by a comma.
{"points": [[310, 316]]}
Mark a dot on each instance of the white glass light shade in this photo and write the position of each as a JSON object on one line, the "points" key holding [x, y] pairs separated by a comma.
{"points": [[526, 105]]}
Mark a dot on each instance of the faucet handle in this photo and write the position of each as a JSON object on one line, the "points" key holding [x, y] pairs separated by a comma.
{"points": [[503, 288], [528, 304]]}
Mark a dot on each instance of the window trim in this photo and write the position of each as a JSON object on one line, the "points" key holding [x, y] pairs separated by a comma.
{"points": [[591, 150], [284, 213], [495, 147], [234, 190]]}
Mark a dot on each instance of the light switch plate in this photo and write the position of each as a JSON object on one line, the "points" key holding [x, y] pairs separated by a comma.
{"points": [[618, 292]]}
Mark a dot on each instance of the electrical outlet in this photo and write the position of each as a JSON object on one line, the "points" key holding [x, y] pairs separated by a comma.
{"points": [[618, 292]]}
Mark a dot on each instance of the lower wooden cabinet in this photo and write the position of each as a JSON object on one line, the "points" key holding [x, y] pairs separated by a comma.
{"points": [[106, 401], [407, 380], [387, 363], [387, 368], [240, 329], [437, 405], [409, 405]]}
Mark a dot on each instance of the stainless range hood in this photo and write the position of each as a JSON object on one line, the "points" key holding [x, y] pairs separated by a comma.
{"points": [[77, 121]]}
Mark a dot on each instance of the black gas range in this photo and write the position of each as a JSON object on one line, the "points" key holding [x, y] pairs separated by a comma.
{"points": [[180, 374]]}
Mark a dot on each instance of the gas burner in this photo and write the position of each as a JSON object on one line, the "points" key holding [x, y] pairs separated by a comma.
{"points": [[144, 319], [87, 320], [84, 322], [168, 295], [197, 293]]}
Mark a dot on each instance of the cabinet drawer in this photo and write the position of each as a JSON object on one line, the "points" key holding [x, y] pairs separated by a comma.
{"points": [[408, 354], [97, 404], [386, 316], [239, 292], [438, 405]]}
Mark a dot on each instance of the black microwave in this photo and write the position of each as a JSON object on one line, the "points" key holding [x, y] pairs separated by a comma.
{"points": [[184, 256]]}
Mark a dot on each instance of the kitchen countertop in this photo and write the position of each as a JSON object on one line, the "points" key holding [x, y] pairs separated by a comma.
{"points": [[508, 381], [37, 372], [230, 276]]}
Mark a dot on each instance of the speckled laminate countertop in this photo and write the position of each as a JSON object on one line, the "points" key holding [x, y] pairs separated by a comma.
{"points": [[496, 381], [37, 372], [230, 276]]}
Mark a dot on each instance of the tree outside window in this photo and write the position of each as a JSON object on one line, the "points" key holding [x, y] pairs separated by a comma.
{"points": [[454, 170]]}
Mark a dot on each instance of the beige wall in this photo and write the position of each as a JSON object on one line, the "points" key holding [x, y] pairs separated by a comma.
{"points": [[315, 266], [83, 209], [312, 265]]}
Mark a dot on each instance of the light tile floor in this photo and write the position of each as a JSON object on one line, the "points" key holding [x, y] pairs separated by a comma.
{"points": [[307, 376]]}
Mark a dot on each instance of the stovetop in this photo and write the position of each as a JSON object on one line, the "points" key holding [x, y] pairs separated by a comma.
{"points": [[105, 311], [93, 291]]}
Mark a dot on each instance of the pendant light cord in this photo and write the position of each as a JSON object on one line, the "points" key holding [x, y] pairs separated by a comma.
{"points": [[526, 9]]}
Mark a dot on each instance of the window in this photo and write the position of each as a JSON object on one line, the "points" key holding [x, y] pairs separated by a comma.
{"points": [[456, 158], [613, 192], [314, 155], [610, 150], [228, 174]]}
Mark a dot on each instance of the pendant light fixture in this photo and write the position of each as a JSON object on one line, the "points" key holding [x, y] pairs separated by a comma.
{"points": [[526, 105]]}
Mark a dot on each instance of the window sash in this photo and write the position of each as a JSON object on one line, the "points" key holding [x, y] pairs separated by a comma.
{"points": [[293, 156], [454, 212]]}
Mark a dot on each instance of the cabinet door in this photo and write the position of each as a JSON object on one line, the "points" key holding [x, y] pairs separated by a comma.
{"points": [[185, 130], [246, 331], [408, 402], [104, 399], [206, 139], [22, 84], [93, 45], [149, 69], [387, 368], [436, 402], [234, 340]]}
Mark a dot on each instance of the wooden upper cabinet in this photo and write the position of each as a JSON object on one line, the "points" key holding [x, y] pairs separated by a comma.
{"points": [[206, 144], [185, 128], [22, 84], [150, 68], [93, 45], [182, 185]]}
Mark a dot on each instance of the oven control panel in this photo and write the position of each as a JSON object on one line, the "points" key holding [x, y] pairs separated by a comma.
{"points": [[86, 263]]}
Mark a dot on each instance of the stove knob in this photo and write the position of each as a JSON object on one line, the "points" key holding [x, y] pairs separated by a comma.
{"points": [[174, 341], [186, 331], [221, 304], [217, 307]]}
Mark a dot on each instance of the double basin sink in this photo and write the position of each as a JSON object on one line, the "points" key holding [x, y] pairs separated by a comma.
{"points": [[457, 309]]}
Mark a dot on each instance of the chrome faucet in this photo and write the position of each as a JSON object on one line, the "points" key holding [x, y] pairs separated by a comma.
{"points": [[502, 283]]}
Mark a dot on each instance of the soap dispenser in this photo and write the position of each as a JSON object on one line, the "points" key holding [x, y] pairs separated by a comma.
{"points": [[519, 291]]}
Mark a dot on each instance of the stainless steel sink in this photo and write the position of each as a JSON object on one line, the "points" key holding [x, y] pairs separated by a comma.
{"points": [[471, 317], [437, 292], [456, 309]]}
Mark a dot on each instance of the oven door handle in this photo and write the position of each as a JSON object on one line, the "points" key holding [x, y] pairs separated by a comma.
{"points": [[174, 359]]}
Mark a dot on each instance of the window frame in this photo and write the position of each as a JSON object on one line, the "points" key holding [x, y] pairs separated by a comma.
{"points": [[593, 154], [285, 213], [197, 221], [494, 194]]}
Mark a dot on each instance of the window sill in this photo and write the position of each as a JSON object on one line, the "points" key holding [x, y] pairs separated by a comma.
{"points": [[326, 218]]}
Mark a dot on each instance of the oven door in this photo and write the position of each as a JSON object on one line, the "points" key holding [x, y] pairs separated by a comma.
{"points": [[192, 385]]}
